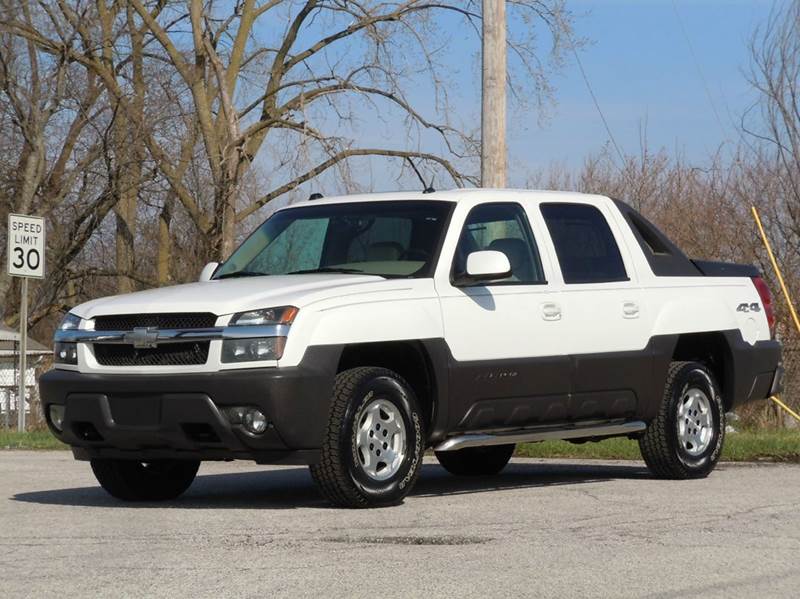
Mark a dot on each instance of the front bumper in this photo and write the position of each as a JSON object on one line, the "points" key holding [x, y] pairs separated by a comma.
{"points": [[141, 416]]}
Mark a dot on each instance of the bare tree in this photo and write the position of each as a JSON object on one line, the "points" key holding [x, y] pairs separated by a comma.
{"points": [[773, 123], [50, 109], [279, 73]]}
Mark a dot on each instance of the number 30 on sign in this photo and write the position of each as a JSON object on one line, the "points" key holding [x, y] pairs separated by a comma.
{"points": [[26, 246]]}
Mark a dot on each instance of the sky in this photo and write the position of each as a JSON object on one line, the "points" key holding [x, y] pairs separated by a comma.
{"points": [[641, 69], [686, 95]]}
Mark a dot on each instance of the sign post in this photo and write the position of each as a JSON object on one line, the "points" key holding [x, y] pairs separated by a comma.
{"points": [[26, 260]]}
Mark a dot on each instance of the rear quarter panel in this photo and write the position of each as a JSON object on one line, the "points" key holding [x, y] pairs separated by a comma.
{"points": [[699, 304]]}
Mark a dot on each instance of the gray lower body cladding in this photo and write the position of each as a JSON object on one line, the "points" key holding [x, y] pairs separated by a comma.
{"points": [[180, 415], [756, 370], [502, 395]]}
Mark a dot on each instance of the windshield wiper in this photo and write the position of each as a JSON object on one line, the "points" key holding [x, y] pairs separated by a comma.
{"points": [[346, 271], [241, 273]]}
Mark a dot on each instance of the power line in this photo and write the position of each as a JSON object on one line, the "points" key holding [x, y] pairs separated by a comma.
{"points": [[699, 68], [591, 91]]}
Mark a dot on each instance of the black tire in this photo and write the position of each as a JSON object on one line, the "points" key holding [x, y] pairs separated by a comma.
{"points": [[476, 461], [339, 475], [157, 480], [663, 452]]}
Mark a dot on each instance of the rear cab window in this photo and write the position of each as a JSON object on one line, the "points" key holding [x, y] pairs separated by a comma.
{"points": [[585, 246]]}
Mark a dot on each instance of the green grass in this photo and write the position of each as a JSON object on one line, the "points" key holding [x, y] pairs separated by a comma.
{"points": [[742, 446], [29, 440]]}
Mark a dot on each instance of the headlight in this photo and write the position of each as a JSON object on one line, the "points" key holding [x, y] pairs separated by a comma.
{"points": [[258, 348], [252, 350], [69, 322], [65, 353], [281, 315]]}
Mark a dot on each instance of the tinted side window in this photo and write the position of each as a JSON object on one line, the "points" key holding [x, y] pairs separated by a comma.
{"points": [[586, 249], [504, 228]]}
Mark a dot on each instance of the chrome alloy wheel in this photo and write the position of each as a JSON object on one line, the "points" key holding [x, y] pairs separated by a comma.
{"points": [[381, 439], [695, 421]]}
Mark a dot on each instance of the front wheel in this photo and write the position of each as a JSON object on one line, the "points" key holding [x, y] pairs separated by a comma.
{"points": [[685, 439], [157, 480], [374, 442]]}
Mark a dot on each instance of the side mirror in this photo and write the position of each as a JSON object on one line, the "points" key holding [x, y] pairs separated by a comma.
{"points": [[486, 266], [208, 271]]}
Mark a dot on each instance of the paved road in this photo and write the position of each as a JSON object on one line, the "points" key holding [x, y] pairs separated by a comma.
{"points": [[542, 528]]}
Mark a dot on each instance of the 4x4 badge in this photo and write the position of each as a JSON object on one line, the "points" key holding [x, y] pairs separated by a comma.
{"points": [[142, 337], [745, 307]]}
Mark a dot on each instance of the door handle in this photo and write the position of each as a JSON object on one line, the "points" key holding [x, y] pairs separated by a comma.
{"points": [[630, 310], [551, 311]]}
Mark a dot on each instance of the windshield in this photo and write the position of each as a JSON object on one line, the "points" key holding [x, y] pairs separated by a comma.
{"points": [[390, 239]]}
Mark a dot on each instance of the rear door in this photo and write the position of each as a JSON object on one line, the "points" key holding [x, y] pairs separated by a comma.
{"points": [[602, 310], [509, 365]]}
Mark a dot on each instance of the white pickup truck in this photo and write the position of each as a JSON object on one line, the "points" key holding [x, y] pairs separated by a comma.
{"points": [[353, 333]]}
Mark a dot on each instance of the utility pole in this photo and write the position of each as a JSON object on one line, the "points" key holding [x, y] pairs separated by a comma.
{"points": [[493, 95]]}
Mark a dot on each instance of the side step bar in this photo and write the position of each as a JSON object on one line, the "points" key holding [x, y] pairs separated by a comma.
{"points": [[542, 434]]}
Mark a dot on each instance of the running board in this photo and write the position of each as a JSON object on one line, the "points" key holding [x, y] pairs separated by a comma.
{"points": [[542, 434]]}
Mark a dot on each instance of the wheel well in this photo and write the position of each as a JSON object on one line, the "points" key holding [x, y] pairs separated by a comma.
{"points": [[409, 359], [713, 351]]}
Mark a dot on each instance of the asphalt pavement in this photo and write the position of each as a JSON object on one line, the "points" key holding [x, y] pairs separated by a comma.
{"points": [[543, 528]]}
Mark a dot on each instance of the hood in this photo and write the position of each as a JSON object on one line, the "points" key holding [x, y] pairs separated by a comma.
{"points": [[226, 296]]}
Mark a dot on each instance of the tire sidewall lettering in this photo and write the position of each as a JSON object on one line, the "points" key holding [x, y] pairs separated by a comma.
{"points": [[392, 390], [417, 452]]}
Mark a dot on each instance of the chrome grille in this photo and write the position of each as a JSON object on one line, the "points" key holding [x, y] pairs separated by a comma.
{"points": [[178, 320], [168, 354], [190, 353]]}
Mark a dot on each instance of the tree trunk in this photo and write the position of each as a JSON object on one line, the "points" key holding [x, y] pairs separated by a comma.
{"points": [[130, 156], [164, 245], [224, 233], [125, 209]]}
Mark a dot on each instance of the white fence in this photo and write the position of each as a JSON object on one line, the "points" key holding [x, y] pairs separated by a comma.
{"points": [[9, 390]]}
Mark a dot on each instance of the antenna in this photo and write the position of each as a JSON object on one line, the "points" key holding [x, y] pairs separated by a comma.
{"points": [[425, 187], [315, 196]]}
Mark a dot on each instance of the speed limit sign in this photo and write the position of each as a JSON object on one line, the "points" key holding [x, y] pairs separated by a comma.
{"points": [[26, 260], [25, 246]]}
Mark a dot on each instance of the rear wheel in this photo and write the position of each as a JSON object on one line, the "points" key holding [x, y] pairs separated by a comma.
{"points": [[157, 480], [374, 443], [685, 439], [476, 461]]}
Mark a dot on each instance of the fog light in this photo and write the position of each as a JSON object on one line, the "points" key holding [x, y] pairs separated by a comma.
{"points": [[57, 417], [252, 419], [255, 421]]}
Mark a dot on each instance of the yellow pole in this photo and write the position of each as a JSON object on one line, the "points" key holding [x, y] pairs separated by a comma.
{"points": [[785, 294], [777, 270], [785, 407]]}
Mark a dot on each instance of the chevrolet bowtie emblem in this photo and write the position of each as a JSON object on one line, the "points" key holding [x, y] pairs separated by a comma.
{"points": [[142, 337]]}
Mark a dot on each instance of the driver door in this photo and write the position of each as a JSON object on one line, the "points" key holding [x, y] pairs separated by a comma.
{"points": [[509, 365]]}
